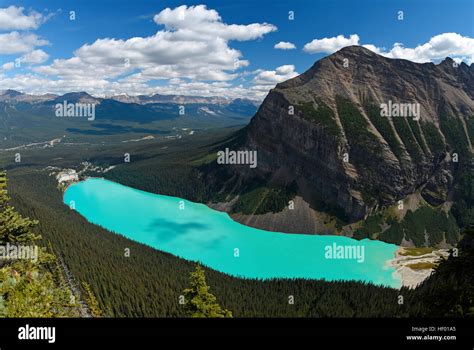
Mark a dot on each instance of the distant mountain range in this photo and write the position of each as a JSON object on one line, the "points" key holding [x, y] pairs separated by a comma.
{"points": [[16, 96], [325, 131], [35, 112]]}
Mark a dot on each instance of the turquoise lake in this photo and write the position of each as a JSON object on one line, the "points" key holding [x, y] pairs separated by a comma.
{"points": [[199, 233]]}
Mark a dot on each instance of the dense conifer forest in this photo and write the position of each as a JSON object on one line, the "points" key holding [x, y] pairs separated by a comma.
{"points": [[32, 282], [150, 283]]}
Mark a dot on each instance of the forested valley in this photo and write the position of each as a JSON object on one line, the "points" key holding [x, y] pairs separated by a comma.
{"points": [[149, 282]]}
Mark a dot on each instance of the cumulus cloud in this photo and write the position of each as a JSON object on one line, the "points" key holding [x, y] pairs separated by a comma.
{"points": [[192, 51], [262, 82], [285, 45], [437, 48], [330, 45], [15, 42], [13, 18], [8, 66], [225, 89], [193, 22], [194, 44], [35, 84], [34, 57], [272, 77]]}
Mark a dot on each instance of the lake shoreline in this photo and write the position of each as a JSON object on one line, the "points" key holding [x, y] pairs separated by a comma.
{"points": [[405, 263], [169, 224]]}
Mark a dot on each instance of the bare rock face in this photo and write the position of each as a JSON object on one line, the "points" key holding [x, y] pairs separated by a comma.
{"points": [[324, 130]]}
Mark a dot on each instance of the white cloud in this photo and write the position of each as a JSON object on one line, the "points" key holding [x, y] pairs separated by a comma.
{"points": [[330, 45], [285, 45], [272, 77], [372, 48], [76, 68], [437, 48], [35, 84], [194, 22], [192, 52], [8, 66], [262, 83], [34, 57], [13, 18], [194, 44], [15, 42]]}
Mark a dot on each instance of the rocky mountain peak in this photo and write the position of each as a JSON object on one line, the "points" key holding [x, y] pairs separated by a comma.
{"points": [[339, 148], [77, 97], [11, 93]]}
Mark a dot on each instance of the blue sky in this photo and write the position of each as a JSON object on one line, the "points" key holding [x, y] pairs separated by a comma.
{"points": [[222, 48]]}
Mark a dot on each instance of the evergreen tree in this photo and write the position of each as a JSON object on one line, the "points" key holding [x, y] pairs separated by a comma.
{"points": [[13, 227], [198, 301], [91, 301], [28, 287]]}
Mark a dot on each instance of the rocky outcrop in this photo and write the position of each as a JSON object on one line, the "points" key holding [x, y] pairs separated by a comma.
{"points": [[323, 130]]}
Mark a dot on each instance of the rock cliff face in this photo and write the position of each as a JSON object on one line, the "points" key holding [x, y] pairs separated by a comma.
{"points": [[324, 131]]}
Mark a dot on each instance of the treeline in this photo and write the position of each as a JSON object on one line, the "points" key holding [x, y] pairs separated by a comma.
{"points": [[463, 206], [264, 199], [449, 292], [172, 180], [441, 227]]}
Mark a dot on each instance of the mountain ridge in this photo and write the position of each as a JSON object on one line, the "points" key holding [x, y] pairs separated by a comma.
{"points": [[17, 96], [342, 153]]}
